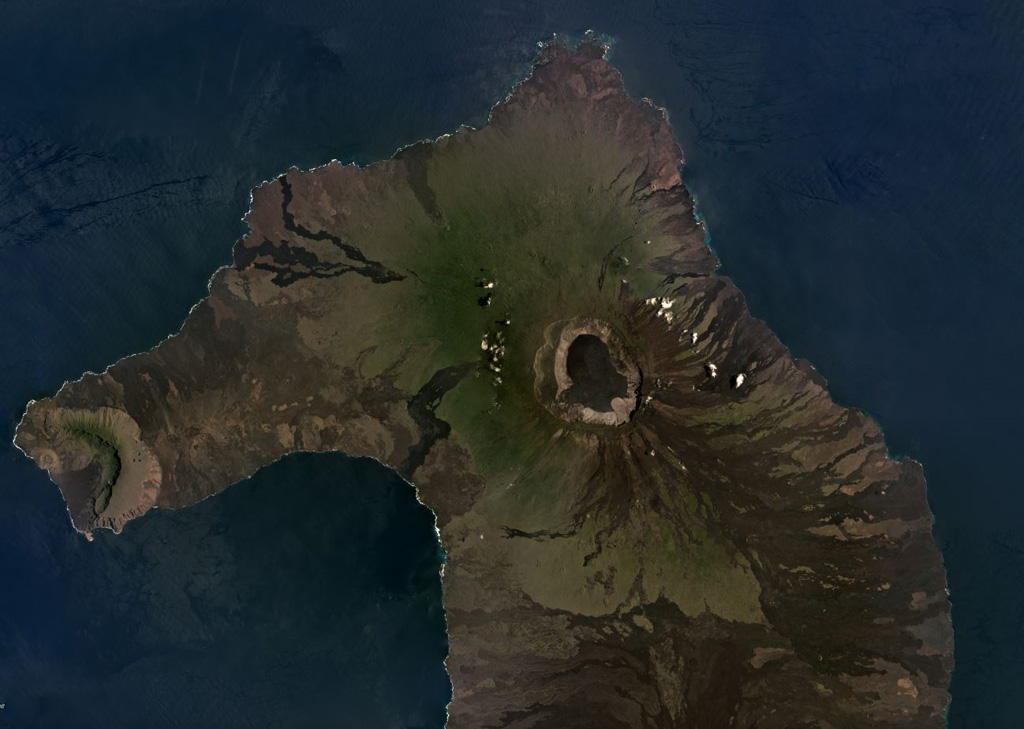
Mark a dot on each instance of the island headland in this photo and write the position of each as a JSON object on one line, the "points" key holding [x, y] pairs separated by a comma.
{"points": [[654, 515]]}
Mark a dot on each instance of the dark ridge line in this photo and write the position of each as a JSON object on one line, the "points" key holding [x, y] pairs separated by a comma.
{"points": [[422, 407], [543, 534], [599, 546], [285, 259], [508, 718], [673, 277], [605, 261], [373, 270], [615, 181]]}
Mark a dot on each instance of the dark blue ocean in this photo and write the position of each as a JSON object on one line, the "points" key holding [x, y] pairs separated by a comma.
{"points": [[860, 166]]}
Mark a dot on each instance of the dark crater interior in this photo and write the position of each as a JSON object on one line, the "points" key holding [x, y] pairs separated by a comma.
{"points": [[595, 381]]}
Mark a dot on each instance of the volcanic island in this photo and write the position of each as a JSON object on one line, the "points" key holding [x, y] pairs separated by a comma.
{"points": [[654, 516]]}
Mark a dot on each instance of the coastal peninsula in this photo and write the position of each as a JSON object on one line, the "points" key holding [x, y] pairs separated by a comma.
{"points": [[654, 515]]}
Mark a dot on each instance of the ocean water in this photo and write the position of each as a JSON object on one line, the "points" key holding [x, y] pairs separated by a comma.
{"points": [[307, 595], [858, 166]]}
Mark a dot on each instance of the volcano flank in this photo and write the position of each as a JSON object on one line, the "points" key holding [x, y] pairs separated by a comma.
{"points": [[653, 514]]}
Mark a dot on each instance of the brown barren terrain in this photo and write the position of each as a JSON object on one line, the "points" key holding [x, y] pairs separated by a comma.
{"points": [[715, 543]]}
